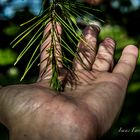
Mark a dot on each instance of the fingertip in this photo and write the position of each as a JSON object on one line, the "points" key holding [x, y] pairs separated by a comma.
{"points": [[95, 24], [109, 41], [92, 29], [131, 49]]}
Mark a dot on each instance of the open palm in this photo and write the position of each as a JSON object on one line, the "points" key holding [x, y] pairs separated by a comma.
{"points": [[84, 111]]}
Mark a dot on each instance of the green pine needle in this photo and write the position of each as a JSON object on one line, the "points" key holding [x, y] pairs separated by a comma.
{"points": [[66, 13]]}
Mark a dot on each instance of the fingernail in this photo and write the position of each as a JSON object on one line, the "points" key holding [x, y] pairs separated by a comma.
{"points": [[131, 49], [96, 23], [109, 41]]}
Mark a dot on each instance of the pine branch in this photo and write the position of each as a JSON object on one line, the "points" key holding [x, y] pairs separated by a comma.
{"points": [[60, 49]]}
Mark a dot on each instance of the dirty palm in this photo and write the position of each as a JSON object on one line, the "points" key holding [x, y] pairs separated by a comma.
{"points": [[61, 20]]}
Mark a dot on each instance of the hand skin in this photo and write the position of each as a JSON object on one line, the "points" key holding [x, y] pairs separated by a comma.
{"points": [[94, 2], [86, 112]]}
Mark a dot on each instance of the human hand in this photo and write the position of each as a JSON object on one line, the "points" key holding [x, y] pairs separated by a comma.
{"points": [[35, 112]]}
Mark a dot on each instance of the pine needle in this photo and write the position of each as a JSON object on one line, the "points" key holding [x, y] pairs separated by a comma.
{"points": [[66, 13]]}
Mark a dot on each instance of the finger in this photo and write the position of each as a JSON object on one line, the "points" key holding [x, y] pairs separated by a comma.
{"points": [[127, 62], [104, 57], [46, 56], [87, 48], [94, 2]]}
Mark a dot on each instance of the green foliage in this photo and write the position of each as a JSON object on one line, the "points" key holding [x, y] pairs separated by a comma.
{"points": [[7, 57], [118, 34], [11, 30]]}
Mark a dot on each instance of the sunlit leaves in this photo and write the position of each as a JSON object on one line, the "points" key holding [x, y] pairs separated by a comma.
{"points": [[7, 57]]}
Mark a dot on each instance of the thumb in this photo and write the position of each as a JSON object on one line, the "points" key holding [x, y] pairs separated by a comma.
{"points": [[127, 62]]}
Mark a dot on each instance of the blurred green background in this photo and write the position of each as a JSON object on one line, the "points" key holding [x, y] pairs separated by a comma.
{"points": [[122, 21]]}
